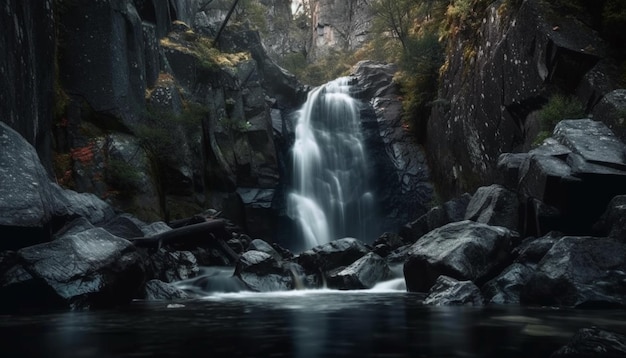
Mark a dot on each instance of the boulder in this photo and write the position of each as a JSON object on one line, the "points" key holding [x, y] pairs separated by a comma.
{"points": [[610, 110], [335, 254], [157, 290], [613, 222], [593, 343], [125, 226], [172, 266], [27, 200], [262, 273], [260, 245], [80, 270], [450, 292], [494, 205], [72, 204], [362, 274], [508, 168], [387, 242], [448, 212], [579, 272], [463, 250], [507, 286], [532, 250]]}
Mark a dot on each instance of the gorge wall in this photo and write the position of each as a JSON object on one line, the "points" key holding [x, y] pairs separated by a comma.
{"points": [[148, 113], [498, 74]]}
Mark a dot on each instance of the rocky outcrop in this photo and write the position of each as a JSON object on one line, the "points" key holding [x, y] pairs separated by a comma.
{"points": [[406, 193], [567, 183], [28, 40], [339, 25], [496, 77], [494, 205]]}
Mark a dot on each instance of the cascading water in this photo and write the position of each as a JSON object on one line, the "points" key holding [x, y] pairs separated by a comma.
{"points": [[331, 198]]}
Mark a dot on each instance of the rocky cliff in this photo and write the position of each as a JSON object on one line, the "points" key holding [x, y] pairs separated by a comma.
{"points": [[338, 25], [150, 114], [498, 74]]}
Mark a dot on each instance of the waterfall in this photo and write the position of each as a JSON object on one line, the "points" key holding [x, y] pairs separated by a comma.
{"points": [[331, 198]]}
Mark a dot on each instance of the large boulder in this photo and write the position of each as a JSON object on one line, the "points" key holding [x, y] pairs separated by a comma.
{"points": [[335, 254], [593, 343], [157, 290], [611, 109], [362, 274], [463, 250], [532, 250], [262, 273], [507, 286], [579, 272], [172, 266], [450, 292], [79, 270], [494, 205]]}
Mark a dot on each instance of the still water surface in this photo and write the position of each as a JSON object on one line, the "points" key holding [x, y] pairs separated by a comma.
{"points": [[301, 324]]}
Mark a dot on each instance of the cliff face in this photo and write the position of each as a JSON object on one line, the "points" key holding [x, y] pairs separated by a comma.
{"points": [[27, 42], [152, 116], [494, 81], [338, 25]]}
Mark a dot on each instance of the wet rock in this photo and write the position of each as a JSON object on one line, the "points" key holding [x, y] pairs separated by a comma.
{"points": [[532, 250], [125, 226], [613, 222], [450, 292], [386, 243], [508, 169], [611, 111], [593, 342], [362, 274], [507, 286], [87, 269], [171, 266], [494, 205], [29, 35], [263, 273], [451, 211], [260, 245], [579, 272], [157, 290], [332, 255], [104, 62], [463, 250], [72, 204]]}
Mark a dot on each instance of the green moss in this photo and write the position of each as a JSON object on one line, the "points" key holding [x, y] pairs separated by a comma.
{"points": [[559, 107]]}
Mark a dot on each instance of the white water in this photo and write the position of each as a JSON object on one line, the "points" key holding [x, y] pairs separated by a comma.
{"points": [[331, 199]]}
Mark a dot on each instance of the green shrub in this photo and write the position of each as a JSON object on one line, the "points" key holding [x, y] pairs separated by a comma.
{"points": [[122, 175], [559, 107]]}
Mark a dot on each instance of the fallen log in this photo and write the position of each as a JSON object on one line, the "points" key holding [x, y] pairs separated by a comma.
{"points": [[195, 234]]}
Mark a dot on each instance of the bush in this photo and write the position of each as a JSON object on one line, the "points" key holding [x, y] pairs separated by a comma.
{"points": [[122, 175], [559, 107]]}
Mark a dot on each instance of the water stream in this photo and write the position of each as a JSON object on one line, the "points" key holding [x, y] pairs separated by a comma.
{"points": [[331, 199]]}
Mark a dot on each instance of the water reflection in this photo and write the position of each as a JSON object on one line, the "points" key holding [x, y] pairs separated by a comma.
{"points": [[303, 324]]}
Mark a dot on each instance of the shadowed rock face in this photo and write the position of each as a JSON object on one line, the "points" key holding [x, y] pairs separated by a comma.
{"points": [[579, 271], [28, 41], [517, 59]]}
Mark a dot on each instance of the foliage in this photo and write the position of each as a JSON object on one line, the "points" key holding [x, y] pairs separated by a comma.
{"points": [[203, 48], [335, 64], [122, 175], [559, 107], [255, 13]]}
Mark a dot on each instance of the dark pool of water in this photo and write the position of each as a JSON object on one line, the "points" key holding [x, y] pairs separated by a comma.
{"points": [[299, 324]]}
